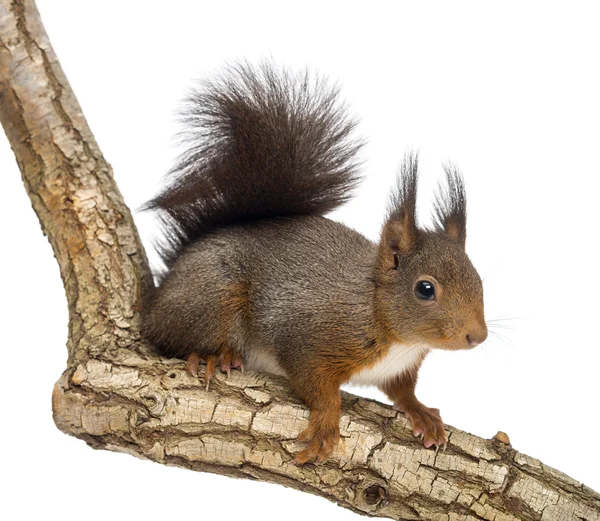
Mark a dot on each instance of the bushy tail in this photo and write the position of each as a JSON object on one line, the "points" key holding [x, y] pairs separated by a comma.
{"points": [[263, 143]]}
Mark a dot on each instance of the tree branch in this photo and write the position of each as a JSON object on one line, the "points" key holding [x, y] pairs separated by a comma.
{"points": [[117, 395], [71, 187]]}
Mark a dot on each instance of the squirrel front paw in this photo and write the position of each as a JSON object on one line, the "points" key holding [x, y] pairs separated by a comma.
{"points": [[321, 443], [426, 423]]}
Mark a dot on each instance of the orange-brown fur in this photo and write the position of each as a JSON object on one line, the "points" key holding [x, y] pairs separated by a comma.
{"points": [[426, 421], [256, 270]]}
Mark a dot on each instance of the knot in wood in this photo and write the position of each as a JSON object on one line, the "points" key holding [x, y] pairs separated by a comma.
{"points": [[154, 402], [374, 495]]}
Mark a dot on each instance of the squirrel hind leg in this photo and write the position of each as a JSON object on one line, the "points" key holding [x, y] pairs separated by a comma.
{"points": [[226, 360]]}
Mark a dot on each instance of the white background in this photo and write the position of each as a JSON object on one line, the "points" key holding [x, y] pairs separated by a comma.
{"points": [[510, 93]]}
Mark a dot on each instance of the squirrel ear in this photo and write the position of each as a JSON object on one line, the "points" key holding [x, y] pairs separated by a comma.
{"points": [[451, 206], [400, 230]]}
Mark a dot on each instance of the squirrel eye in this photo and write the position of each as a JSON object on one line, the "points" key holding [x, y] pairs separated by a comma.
{"points": [[425, 290]]}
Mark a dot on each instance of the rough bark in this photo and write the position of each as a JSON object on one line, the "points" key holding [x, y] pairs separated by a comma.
{"points": [[116, 394]]}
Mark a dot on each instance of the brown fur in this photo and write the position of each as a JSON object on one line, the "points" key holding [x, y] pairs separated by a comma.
{"points": [[255, 270], [426, 421]]}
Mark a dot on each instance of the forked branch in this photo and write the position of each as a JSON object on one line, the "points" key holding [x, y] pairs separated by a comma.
{"points": [[117, 395]]}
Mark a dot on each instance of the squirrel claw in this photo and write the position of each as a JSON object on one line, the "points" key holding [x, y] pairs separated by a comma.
{"points": [[314, 452], [193, 363], [427, 424], [237, 362], [211, 365], [320, 445], [229, 360], [225, 361]]}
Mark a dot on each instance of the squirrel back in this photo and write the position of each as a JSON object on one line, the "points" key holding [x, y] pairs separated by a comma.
{"points": [[263, 143], [258, 277]]}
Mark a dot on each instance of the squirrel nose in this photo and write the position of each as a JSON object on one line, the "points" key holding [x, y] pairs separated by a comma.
{"points": [[476, 337]]}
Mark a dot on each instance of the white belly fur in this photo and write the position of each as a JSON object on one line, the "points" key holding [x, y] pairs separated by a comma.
{"points": [[400, 357]]}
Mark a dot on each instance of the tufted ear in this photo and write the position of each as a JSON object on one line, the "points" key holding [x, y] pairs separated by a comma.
{"points": [[399, 234], [451, 206]]}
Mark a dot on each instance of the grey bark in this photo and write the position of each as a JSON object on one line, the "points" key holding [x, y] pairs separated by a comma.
{"points": [[116, 394]]}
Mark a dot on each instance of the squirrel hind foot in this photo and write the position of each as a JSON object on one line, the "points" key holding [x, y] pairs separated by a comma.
{"points": [[226, 360]]}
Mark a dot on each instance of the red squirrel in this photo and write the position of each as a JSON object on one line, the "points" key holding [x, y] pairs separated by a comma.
{"points": [[257, 277]]}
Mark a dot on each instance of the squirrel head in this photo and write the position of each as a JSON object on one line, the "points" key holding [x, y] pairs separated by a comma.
{"points": [[428, 290]]}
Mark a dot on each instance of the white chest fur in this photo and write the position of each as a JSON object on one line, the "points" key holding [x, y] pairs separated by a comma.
{"points": [[399, 358]]}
